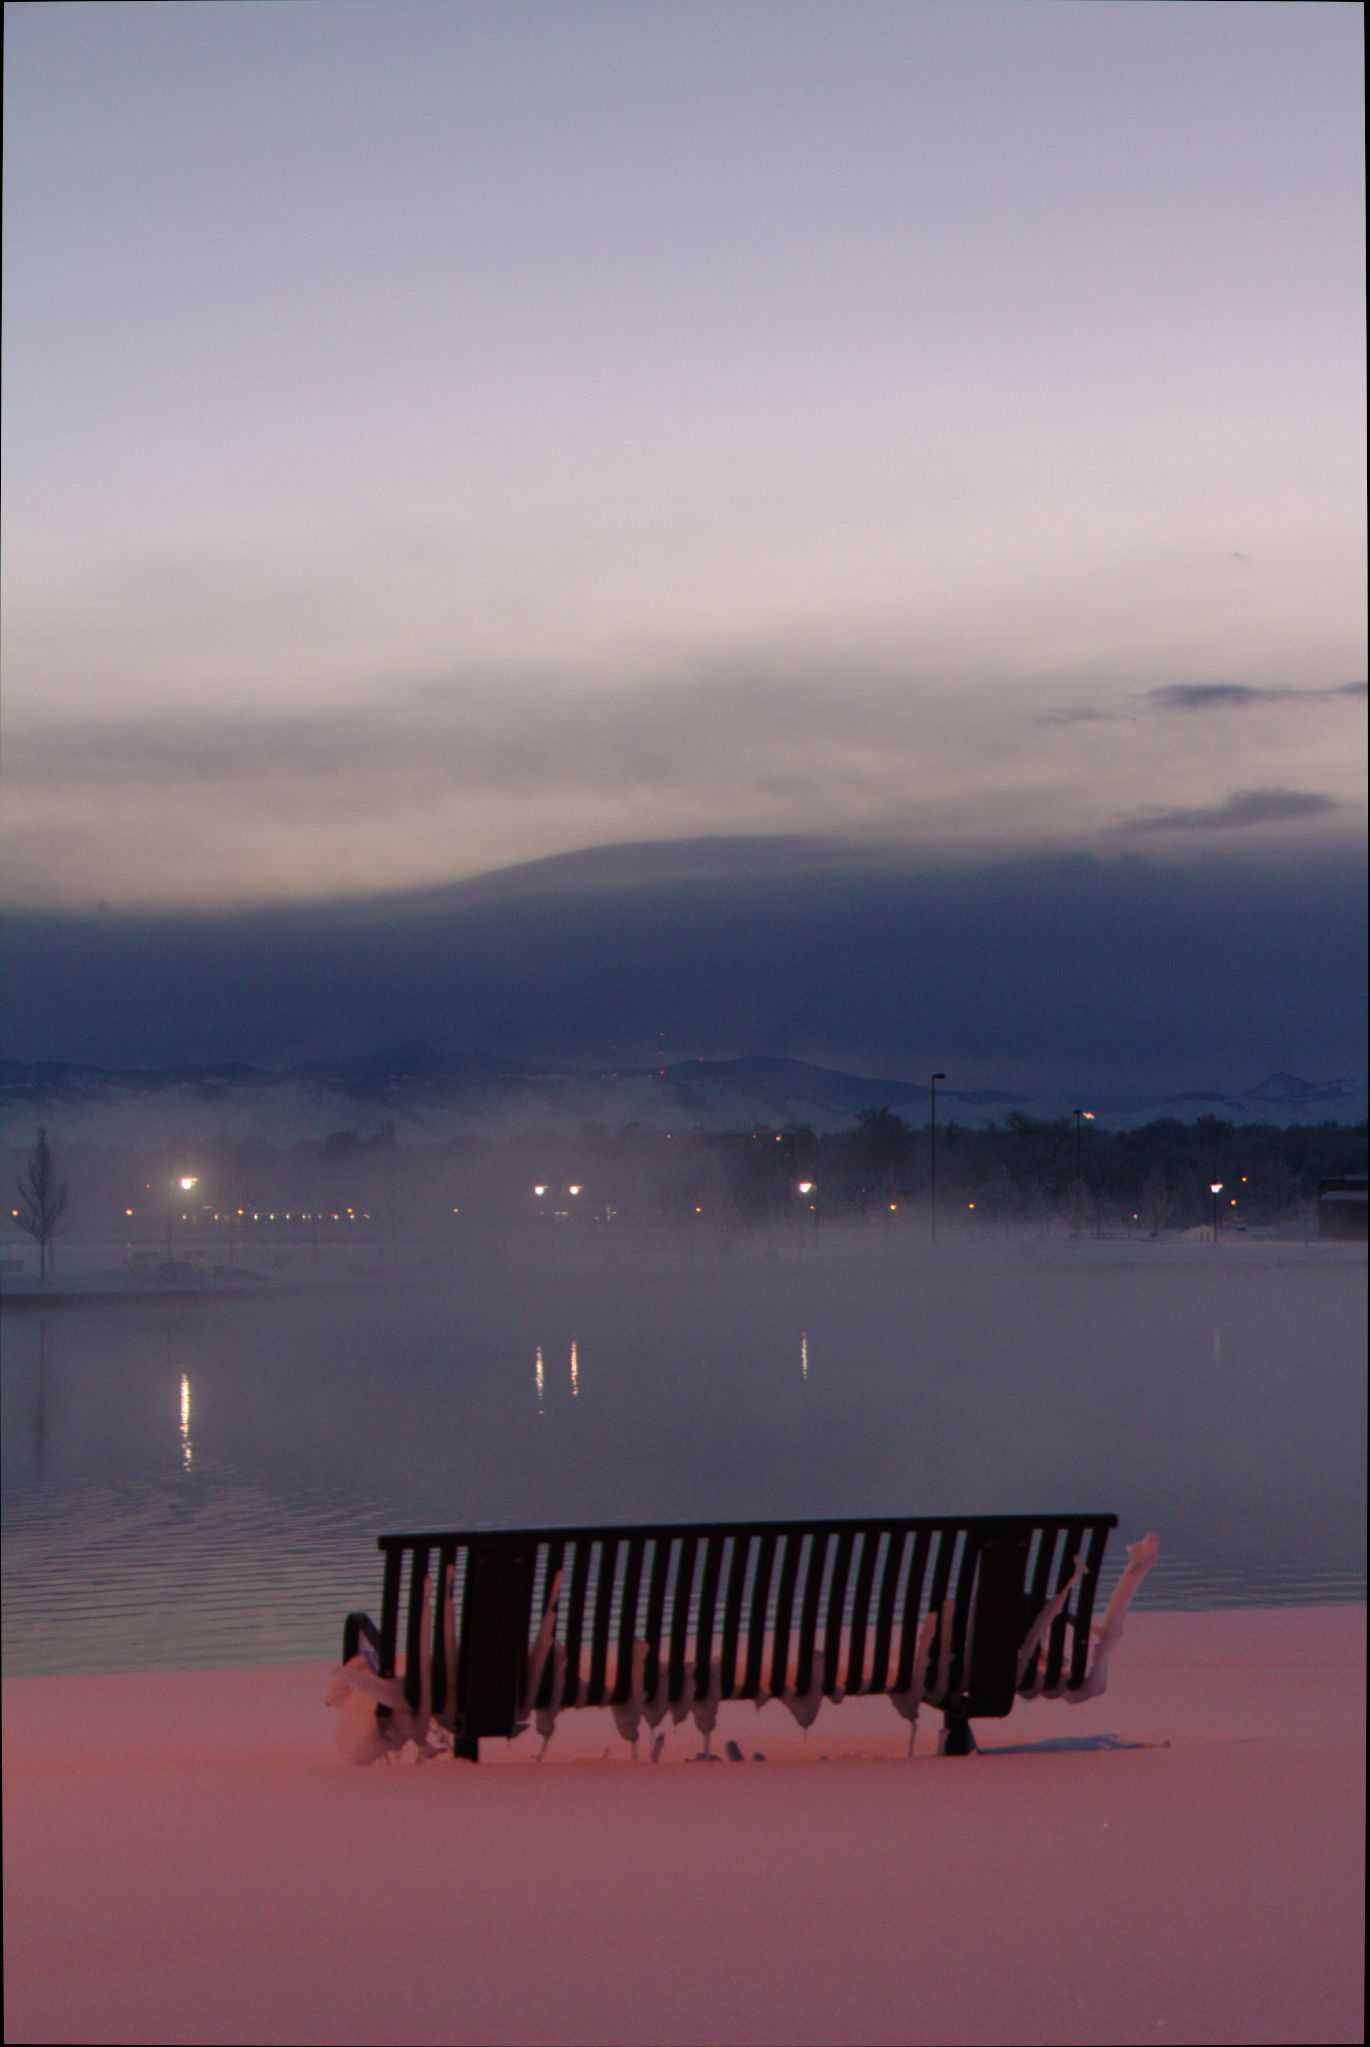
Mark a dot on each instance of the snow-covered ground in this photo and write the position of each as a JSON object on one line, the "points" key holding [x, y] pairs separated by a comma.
{"points": [[187, 1860]]}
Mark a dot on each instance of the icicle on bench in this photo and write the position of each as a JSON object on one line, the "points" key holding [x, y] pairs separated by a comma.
{"points": [[504, 1625]]}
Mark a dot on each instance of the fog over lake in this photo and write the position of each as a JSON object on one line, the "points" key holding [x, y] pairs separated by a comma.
{"points": [[200, 1480]]}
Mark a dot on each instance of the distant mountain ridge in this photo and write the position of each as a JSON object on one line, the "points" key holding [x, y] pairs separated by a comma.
{"points": [[429, 1097]]}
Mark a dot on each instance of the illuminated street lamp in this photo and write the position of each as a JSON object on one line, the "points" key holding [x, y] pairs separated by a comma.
{"points": [[1215, 1188], [185, 1181], [808, 1192], [935, 1078], [1081, 1116]]}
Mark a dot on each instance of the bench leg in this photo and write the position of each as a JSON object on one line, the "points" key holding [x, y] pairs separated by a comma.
{"points": [[956, 1738], [466, 1747]]}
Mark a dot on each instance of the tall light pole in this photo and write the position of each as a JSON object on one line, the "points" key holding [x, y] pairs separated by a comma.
{"points": [[1215, 1188], [185, 1181], [805, 1189], [1085, 1116], [933, 1131]]}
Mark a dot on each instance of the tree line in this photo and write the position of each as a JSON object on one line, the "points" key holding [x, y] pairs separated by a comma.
{"points": [[1023, 1170]]}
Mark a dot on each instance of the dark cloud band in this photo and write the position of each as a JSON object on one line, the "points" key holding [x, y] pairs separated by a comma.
{"points": [[1243, 809], [1240, 696], [1046, 971]]}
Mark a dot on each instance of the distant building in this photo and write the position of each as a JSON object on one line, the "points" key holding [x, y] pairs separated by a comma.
{"points": [[1343, 1207]]}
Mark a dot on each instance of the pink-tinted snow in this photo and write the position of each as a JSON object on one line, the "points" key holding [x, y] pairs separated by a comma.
{"points": [[186, 1861]]}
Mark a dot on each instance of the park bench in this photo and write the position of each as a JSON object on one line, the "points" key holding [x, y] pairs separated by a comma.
{"points": [[964, 1615], [957, 1614]]}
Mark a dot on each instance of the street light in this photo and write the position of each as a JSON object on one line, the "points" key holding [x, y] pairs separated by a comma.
{"points": [[1080, 1115], [185, 1181], [1215, 1188], [935, 1078], [807, 1189]]}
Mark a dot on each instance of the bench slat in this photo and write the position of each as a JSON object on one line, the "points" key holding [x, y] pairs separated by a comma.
{"points": [[656, 1602], [1038, 1596], [554, 1563], [575, 1620], [913, 1591], [708, 1602], [861, 1607], [390, 1613], [1084, 1606], [784, 1613], [599, 1640], [732, 1613], [756, 1636], [442, 1677], [808, 1624], [937, 1599], [884, 1619], [1056, 1641], [627, 1618], [837, 1594], [965, 1580], [865, 1579], [680, 1614], [413, 1634]]}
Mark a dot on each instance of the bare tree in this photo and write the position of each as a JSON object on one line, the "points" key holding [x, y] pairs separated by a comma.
{"points": [[1081, 1211], [1157, 1200], [43, 1199]]}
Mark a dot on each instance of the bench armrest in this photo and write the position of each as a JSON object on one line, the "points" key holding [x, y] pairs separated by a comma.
{"points": [[359, 1628]]}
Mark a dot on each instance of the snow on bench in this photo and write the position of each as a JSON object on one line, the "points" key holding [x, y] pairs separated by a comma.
{"points": [[494, 1628]]}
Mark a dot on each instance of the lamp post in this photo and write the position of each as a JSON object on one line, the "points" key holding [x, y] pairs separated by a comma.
{"points": [[933, 1132], [1215, 1188], [806, 1189], [1081, 1116], [185, 1181]]}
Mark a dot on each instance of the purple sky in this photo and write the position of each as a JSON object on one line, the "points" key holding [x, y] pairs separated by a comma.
{"points": [[440, 436]]}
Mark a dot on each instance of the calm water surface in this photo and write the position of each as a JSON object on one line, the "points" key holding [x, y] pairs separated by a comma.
{"points": [[201, 1480]]}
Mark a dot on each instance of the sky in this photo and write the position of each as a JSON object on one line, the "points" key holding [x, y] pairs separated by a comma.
{"points": [[440, 438]]}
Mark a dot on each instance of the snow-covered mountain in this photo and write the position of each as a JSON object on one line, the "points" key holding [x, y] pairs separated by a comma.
{"points": [[428, 1099]]}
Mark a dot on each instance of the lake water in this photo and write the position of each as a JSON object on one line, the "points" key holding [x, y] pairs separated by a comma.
{"points": [[201, 1480]]}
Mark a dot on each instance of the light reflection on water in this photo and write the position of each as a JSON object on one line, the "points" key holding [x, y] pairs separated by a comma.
{"points": [[202, 1482]]}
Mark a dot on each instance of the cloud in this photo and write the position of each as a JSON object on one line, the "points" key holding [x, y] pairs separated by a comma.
{"points": [[418, 779], [1082, 714], [1239, 696], [1045, 972], [523, 728], [1243, 809], [1185, 697], [487, 766]]}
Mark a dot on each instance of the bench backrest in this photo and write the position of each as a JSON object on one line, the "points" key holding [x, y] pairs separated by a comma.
{"points": [[931, 1608]]}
